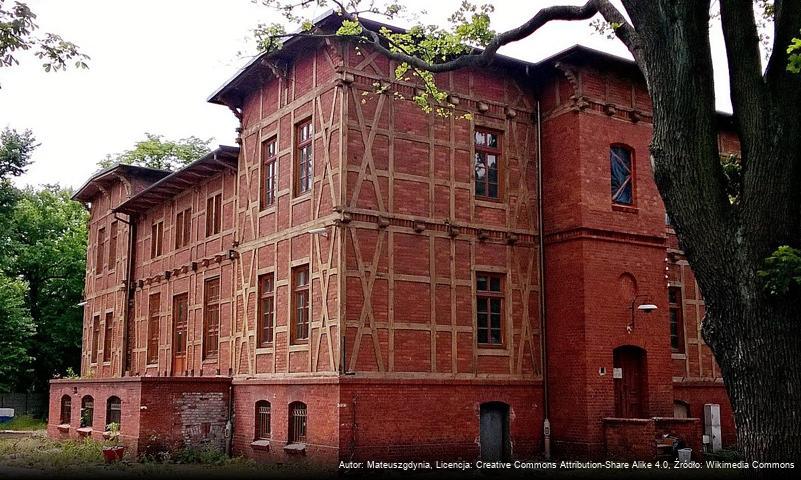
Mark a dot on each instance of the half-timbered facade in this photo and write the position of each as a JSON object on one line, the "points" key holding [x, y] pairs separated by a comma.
{"points": [[361, 279]]}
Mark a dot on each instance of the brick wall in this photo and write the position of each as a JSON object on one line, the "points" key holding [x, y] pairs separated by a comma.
{"points": [[419, 419], [630, 438], [321, 397], [156, 413]]}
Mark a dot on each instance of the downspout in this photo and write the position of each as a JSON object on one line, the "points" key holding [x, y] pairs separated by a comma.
{"points": [[127, 311], [546, 424], [229, 423]]}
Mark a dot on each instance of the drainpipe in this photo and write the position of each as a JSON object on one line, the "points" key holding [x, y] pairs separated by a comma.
{"points": [[229, 424], [546, 424], [127, 312]]}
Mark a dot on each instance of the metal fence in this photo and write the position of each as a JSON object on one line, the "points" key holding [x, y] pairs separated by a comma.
{"points": [[25, 403]]}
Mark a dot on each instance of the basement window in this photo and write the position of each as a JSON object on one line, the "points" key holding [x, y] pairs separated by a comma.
{"points": [[622, 178], [262, 420], [297, 422], [66, 410], [87, 411], [113, 411]]}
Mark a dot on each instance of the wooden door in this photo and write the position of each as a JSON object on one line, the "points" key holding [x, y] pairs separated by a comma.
{"points": [[180, 317], [493, 431], [629, 364]]}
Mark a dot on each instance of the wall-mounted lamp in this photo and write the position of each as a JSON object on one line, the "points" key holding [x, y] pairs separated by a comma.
{"points": [[233, 254], [322, 231], [645, 308]]}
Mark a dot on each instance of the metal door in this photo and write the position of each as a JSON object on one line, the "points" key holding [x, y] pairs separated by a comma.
{"points": [[494, 431]]}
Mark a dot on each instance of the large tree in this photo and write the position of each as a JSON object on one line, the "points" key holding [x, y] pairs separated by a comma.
{"points": [[44, 246], [754, 331], [157, 152], [42, 267]]}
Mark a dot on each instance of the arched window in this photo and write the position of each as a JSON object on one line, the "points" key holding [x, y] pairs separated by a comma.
{"points": [[113, 411], [620, 159], [66, 409], [87, 411], [297, 422], [262, 420]]}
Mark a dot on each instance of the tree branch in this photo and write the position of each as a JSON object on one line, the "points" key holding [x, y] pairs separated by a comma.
{"points": [[742, 51], [787, 24], [559, 12], [624, 31]]}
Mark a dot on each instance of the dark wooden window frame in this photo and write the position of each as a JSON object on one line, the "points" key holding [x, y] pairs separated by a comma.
{"points": [[304, 163], [676, 319], [301, 308], [485, 300], [100, 251], [153, 328], [214, 214], [183, 228], [157, 239], [298, 422], [211, 318], [263, 417], [112, 246], [485, 150], [179, 347], [108, 333], [266, 319], [269, 172], [629, 182], [95, 338]]}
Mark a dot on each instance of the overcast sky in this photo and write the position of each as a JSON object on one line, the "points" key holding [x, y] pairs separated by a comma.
{"points": [[154, 63]]}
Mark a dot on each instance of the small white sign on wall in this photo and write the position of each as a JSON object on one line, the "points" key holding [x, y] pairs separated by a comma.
{"points": [[617, 372]]}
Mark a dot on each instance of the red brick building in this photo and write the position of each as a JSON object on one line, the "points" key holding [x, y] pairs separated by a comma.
{"points": [[360, 279]]}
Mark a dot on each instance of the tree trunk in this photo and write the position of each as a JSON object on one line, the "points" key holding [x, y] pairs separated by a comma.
{"points": [[757, 347], [756, 338]]}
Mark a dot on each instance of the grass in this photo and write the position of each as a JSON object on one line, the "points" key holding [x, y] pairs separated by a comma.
{"points": [[36, 455], [41, 456], [24, 423]]}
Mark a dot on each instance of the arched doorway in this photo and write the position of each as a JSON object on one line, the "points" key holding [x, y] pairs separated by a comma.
{"points": [[630, 377], [494, 431]]}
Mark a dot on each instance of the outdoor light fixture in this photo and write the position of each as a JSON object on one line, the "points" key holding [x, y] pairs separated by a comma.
{"points": [[643, 307], [322, 231]]}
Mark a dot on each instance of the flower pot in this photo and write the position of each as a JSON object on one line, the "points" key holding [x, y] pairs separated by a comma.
{"points": [[113, 454]]}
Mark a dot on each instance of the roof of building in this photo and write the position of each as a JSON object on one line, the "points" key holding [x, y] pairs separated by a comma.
{"points": [[222, 158], [107, 176], [237, 86]]}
